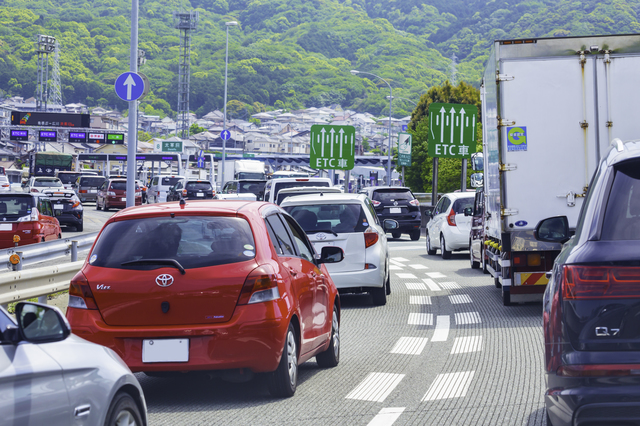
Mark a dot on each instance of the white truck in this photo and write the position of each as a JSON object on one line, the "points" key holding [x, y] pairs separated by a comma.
{"points": [[241, 169], [550, 109]]}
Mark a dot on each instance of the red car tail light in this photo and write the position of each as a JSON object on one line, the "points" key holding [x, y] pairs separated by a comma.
{"points": [[184, 192], [370, 237], [451, 218], [261, 285], [526, 259], [415, 203], [599, 370], [375, 203], [80, 294], [600, 282], [34, 190], [83, 191]]}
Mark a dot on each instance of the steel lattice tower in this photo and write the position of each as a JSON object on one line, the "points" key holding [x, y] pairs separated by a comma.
{"points": [[44, 45], [185, 22], [454, 69], [55, 95]]}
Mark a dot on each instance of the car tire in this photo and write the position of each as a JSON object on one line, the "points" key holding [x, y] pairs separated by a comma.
{"points": [[331, 357], [98, 205], [388, 283], [446, 254], [283, 381], [80, 227], [506, 297], [548, 419], [105, 207], [396, 235], [474, 264], [415, 235], [379, 295], [123, 410], [430, 251]]}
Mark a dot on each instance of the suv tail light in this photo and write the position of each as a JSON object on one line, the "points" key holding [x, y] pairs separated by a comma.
{"points": [[600, 282], [31, 217], [451, 218], [599, 370], [375, 203], [370, 237], [80, 294], [261, 285], [415, 202], [184, 192]]}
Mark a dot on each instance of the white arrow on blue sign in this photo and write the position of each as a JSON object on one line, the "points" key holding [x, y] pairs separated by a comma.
{"points": [[129, 86], [225, 135]]}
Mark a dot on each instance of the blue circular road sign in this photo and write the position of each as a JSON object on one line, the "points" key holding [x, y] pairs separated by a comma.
{"points": [[129, 86], [225, 135]]}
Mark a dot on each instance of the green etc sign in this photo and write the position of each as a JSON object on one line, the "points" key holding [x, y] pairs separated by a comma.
{"points": [[404, 149], [452, 130], [332, 147]]}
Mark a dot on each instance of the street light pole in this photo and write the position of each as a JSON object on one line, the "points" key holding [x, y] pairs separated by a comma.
{"points": [[224, 126], [408, 100], [354, 72]]}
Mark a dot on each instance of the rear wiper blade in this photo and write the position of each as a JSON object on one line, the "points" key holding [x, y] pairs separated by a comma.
{"points": [[168, 262], [315, 231]]}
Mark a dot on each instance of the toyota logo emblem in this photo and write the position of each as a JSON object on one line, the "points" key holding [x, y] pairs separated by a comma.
{"points": [[321, 236], [164, 280]]}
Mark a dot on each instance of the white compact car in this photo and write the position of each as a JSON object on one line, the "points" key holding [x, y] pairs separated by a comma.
{"points": [[448, 229], [348, 221], [159, 187]]}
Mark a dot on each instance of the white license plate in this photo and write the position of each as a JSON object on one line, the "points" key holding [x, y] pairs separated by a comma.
{"points": [[93, 191], [165, 350], [58, 207], [123, 199], [395, 210], [6, 227], [199, 194]]}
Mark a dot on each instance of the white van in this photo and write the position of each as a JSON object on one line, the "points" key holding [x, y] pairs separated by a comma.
{"points": [[159, 187], [275, 185]]}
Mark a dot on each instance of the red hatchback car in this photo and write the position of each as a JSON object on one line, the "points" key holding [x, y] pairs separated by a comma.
{"points": [[233, 286], [30, 216], [113, 193]]}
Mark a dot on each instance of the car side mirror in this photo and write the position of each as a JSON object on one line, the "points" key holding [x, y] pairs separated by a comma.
{"points": [[390, 224], [428, 212], [468, 211], [553, 230], [39, 323], [331, 254]]}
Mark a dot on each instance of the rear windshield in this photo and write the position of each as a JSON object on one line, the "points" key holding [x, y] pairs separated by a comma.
{"points": [[256, 188], [277, 186], [622, 215], [389, 196], [339, 218], [193, 241], [462, 203], [14, 206], [68, 177], [170, 181], [283, 195], [198, 186], [47, 183], [92, 182]]}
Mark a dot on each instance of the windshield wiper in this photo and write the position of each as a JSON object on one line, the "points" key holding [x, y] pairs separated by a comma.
{"points": [[315, 231], [168, 262]]}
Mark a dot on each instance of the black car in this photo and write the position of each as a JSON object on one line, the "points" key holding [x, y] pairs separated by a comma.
{"points": [[67, 208], [591, 306], [190, 190], [397, 203]]}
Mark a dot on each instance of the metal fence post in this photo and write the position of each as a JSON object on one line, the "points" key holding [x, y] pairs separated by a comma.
{"points": [[74, 251]]}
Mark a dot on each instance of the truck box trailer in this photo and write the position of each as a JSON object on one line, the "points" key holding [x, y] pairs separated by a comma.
{"points": [[550, 109]]}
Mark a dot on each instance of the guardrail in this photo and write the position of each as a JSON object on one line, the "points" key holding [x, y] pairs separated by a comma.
{"points": [[50, 250], [21, 285]]}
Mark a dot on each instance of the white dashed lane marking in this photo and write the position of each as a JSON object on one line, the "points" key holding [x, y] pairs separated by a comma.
{"points": [[459, 299], [399, 259], [442, 328], [431, 284], [435, 275], [395, 262], [420, 319], [450, 285], [463, 345], [410, 345], [468, 318], [449, 385], [375, 387], [415, 286], [419, 266], [420, 300], [406, 275], [395, 268], [386, 416]]}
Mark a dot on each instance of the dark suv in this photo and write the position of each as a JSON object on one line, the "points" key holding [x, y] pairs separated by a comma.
{"points": [[397, 203], [190, 190], [591, 306]]}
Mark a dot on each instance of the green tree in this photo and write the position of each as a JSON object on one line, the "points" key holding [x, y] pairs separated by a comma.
{"points": [[195, 129]]}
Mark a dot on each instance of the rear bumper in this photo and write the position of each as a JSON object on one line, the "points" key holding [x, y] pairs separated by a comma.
{"points": [[246, 341], [406, 225], [356, 279], [87, 197], [70, 219], [456, 238]]}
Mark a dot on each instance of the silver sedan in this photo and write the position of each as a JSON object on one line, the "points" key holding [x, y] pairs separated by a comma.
{"points": [[50, 377]]}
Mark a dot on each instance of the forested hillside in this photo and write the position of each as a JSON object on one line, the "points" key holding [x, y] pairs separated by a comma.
{"points": [[285, 53]]}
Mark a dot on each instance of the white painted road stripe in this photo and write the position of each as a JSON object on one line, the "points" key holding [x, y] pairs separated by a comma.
{"points": [[402, 248], [415, 286], [464, 345], [386, 416], [399, 259], [449, 285], [468, 318], [459, 299], [449, 385], [396, 262], [420, 319], [406, 275], [375, 387], [431, 284], [442, 329], [435, 275], [410, 345], [395, 268], [420, 300], [419, 266]]}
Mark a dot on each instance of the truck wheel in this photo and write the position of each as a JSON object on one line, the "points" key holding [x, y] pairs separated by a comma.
{"points": [[474, 264], [446, 254], [430, 251], [506, 297], [415, 235], [484, 260]]}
